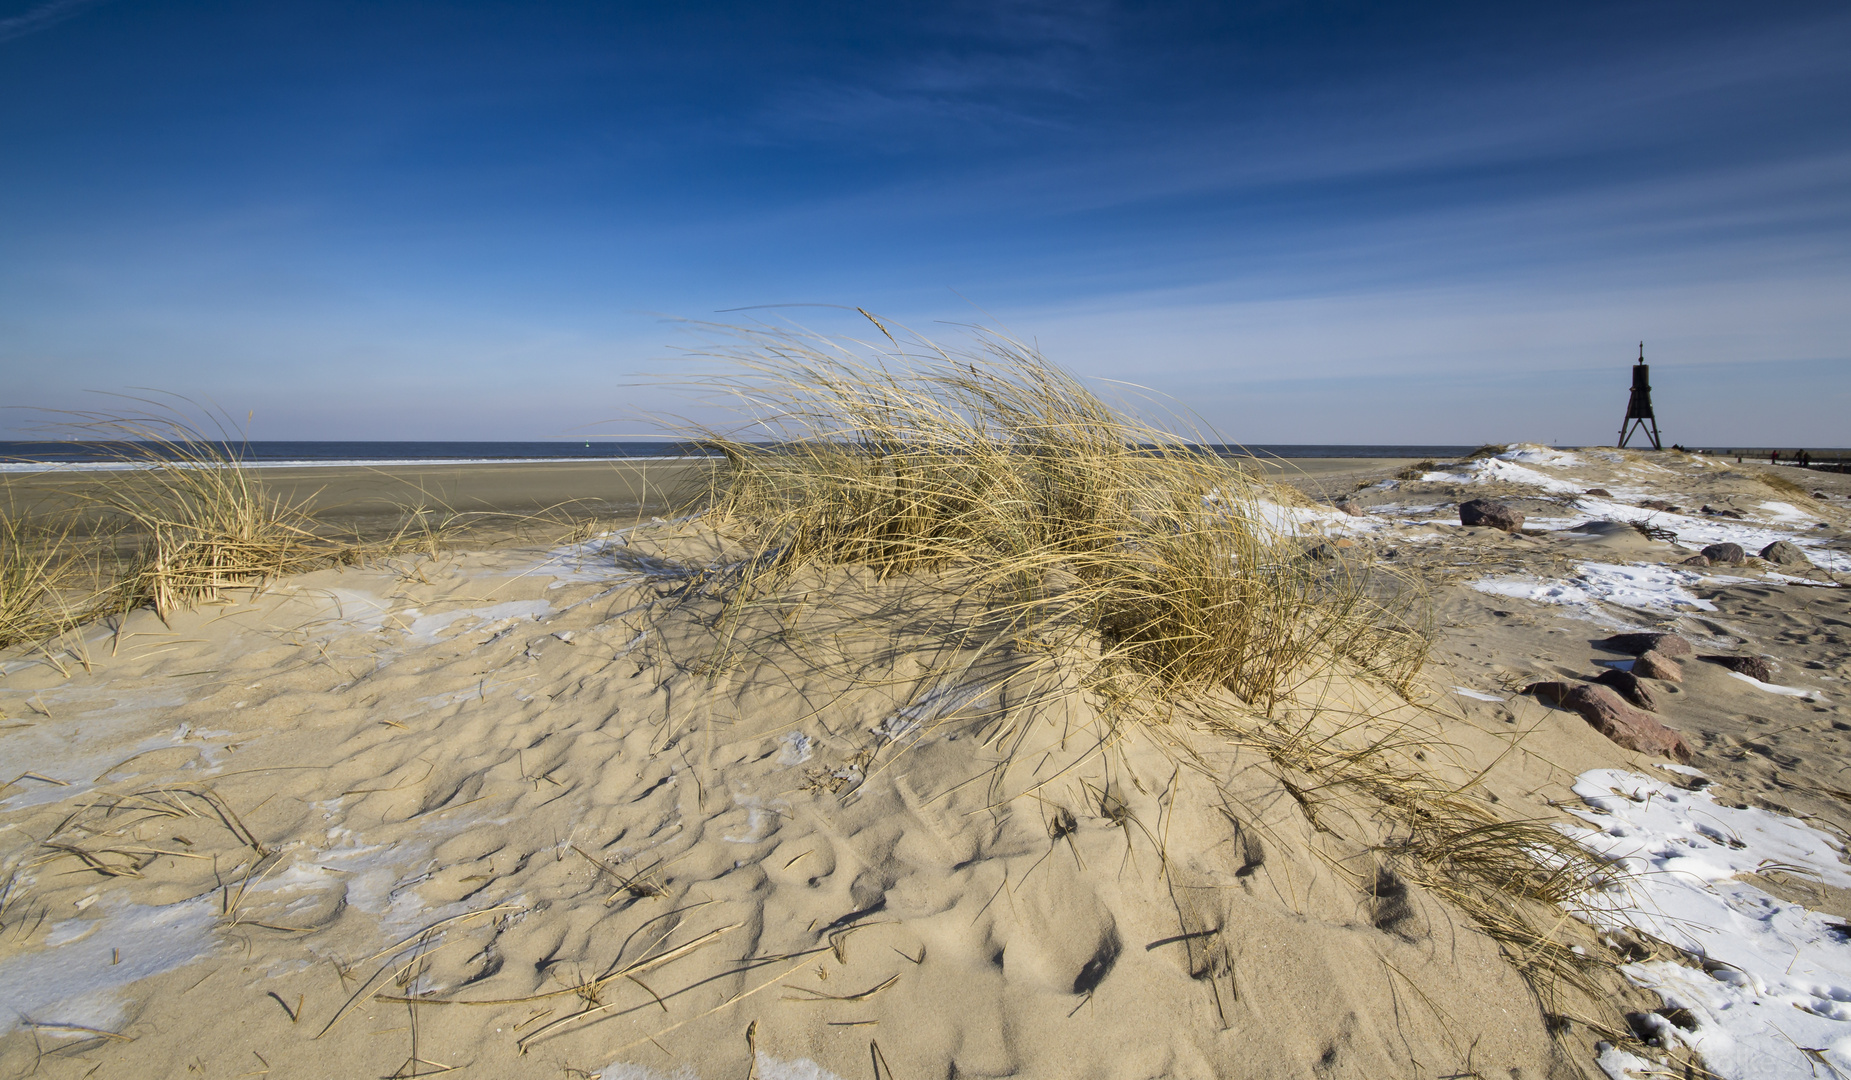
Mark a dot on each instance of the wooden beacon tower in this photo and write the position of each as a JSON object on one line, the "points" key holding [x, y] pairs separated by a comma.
{"points": [[1639, 408]]}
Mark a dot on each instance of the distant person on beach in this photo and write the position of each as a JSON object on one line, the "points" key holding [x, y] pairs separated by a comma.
{"points": [[1774, 458]]}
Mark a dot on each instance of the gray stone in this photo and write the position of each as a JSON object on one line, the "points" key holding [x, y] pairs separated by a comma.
{"points": [[1728, 554], [1599, 493], [1696, 560], [1491, 513], [1785, 553]]}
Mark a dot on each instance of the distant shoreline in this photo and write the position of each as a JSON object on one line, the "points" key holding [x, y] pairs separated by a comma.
{"points": [[371, 499]]}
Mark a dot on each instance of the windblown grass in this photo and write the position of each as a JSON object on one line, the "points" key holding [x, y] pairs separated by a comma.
{"points": [[199, 521], [204, 520], [49, 580], [1077, 520]]}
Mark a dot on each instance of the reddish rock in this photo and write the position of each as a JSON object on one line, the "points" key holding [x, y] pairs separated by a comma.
{"points": [[1653, 664], [1754, 667], [1609, 714], [1663, 644], [1731, 554], [1491, 513], [1630, 687]]}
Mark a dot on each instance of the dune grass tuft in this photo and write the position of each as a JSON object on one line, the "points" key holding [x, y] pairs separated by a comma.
{"points": [[196, 518], [32, 576], [1076, 519], [203, 519], [50, 579]]}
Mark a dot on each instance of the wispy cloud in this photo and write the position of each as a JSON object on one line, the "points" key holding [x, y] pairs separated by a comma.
{"points": [[42, 17]]}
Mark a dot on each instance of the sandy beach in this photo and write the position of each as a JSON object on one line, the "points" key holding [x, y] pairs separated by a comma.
{"points": [[520, 809], [796, 542], [371, 501]]}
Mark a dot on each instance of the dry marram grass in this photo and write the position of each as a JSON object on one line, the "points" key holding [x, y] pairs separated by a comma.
{"points": [[199, 519]]}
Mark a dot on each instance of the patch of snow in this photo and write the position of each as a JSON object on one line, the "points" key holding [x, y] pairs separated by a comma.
{"points": [[1397, 508], [1775, 977], [1788, 514], [761, 820], [1789, 579], [1475, 694], [1696, 530], [770, 1068], [1620, 1065], [943, 700], [1490, 470], [426, 628], [1536, 454], [353, 609], [74, 979], [382, 879], [76, 745], [1785, 691], [1640, 587], [797, 748], [623, 1070]]}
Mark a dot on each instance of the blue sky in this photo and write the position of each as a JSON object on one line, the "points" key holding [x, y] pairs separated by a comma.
{"points": [[1307, 222]]}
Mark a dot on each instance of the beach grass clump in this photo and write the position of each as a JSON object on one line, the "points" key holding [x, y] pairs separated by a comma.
{"points": [[180, 519], [204, 521], [52, 579], [199, 518], [35, 576], [1071, 517]]}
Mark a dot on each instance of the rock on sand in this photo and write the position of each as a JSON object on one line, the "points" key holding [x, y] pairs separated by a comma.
{"points": [[1491, 513]]}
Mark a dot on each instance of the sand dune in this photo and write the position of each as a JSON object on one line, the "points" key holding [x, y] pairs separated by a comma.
{"points": [[516, 812]]}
